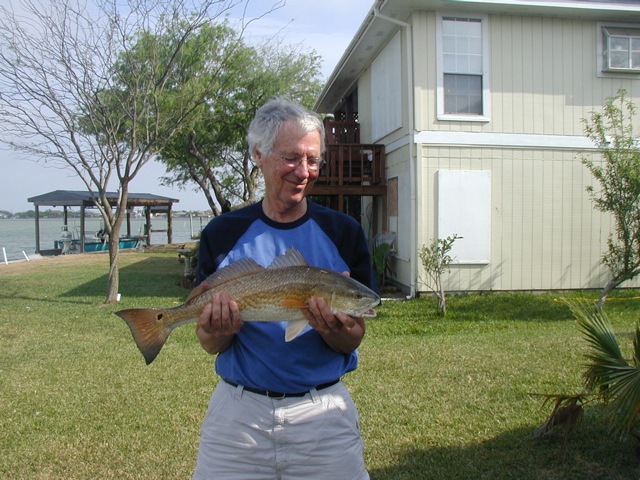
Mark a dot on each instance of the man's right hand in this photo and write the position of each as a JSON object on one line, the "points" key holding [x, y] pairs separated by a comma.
{"points": [[218, 322]]}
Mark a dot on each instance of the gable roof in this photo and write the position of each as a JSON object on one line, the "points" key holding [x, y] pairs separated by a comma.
{"points": [[385, 17]]}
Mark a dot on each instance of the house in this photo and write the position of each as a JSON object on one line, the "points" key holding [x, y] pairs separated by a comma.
{"points": [[479, 107]]}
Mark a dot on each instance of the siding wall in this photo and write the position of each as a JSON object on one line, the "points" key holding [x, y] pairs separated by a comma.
{"points": [[545, 233], [542, 71]]}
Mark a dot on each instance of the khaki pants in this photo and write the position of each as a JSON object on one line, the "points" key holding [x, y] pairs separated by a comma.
{"points": [[248, 436]]}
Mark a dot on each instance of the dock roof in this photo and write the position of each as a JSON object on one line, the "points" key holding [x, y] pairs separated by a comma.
{"points": [[75, 198]]}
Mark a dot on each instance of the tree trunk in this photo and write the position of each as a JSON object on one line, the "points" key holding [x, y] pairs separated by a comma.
{"points": [[443, 301], [608, 288], [114, 268], [114, 248]]}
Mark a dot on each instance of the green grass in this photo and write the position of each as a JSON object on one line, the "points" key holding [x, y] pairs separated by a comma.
{"points": [[439, 398]]}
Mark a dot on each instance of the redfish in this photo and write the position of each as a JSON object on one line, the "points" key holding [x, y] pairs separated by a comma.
{"points": [[274, 294]]}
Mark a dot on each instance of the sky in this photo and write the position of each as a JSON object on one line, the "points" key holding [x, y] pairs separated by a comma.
{"points": [[326, 26]]}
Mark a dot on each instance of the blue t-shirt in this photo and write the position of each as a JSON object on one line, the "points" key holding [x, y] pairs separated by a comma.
{"points": [[259, 357]]}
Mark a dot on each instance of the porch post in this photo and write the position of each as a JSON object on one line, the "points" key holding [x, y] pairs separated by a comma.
{"points": [[37, 228], [169, 226]]}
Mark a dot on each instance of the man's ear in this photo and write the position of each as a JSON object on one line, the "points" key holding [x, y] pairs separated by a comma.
{"points": [[258, 158]]}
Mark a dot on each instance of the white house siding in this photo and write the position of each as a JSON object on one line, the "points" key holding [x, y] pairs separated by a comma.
{"points": [[545, 233], [543, 74]]}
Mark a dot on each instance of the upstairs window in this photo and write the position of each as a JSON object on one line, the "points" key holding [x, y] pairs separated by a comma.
{"points": [[462, 68], [462, 65], [621, 49]]}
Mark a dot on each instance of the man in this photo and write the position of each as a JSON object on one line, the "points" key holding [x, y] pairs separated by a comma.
{"points": [[280, 409]]}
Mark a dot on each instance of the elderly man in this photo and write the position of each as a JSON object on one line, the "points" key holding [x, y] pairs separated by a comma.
{"points": [[280, 410]]}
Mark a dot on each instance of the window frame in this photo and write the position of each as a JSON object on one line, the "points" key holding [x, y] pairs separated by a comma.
{"points": [[440, 114], [602, 68]]}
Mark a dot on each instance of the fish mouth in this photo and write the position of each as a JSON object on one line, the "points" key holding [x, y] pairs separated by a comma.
{"points": [[362, 312]]}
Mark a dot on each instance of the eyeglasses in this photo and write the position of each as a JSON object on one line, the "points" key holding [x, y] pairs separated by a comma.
{"points": [[313, 164]]}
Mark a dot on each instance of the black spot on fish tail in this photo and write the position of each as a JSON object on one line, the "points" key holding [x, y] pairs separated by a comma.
{"points": [[148, 333]]}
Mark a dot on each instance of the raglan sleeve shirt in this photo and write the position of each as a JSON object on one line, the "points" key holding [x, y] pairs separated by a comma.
{"points": [[258, 356]]}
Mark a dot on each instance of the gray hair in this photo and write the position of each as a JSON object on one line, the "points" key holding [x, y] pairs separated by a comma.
{"points": [[264, 128]]}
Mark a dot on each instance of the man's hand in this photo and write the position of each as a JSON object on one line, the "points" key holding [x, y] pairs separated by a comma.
{"points": [[218, 322], [342, 332]]}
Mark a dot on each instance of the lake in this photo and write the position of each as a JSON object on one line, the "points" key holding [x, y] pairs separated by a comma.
{"points": [[18, 235]]}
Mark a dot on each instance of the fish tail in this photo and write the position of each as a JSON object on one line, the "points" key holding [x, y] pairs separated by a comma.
{"points": [[148, 332]]}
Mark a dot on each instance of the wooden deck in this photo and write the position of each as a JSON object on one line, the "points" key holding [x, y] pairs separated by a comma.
{"points": [[351, 168]]}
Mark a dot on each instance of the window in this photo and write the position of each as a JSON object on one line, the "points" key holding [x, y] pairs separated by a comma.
{"points": [[462, 68], [621, 48], [618, 50]]}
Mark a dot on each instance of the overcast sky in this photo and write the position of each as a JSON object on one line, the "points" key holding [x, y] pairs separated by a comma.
{"points": [[326, 26]]}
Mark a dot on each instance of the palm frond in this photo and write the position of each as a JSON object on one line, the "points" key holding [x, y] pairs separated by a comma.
{"points": [[625, 403], [607, 369], [567, 413], [636, 347]]}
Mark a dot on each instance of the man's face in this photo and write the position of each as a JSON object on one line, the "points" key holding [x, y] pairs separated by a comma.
{"points": [[286, 186]]}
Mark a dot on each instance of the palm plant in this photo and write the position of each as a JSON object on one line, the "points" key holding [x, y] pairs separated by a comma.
{"points": [[608, 372]]}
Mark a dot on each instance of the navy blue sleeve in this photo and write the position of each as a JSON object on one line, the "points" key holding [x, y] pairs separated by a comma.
{"points": [[348, 236], [219, 237]]}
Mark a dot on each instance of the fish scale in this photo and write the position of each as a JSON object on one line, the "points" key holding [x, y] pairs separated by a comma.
{"points": [[274, 294]]}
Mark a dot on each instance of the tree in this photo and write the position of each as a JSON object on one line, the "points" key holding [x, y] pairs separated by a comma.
{"points": [[96, 89], [213, 154], [435, 261], [612, 131]]}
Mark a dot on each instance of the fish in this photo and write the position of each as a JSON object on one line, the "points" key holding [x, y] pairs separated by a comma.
{"points": [[277, 293]]}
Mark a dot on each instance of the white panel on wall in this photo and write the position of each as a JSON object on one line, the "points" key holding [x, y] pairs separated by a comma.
{"points": [[386, 90], [464, 209]]}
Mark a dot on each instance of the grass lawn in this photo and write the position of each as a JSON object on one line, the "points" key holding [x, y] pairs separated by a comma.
{"points": [[439, 398]]}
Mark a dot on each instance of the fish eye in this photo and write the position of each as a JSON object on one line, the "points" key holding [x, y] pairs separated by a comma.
{"points": [[358, 296]]}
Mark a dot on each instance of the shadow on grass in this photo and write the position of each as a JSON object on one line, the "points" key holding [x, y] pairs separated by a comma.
{"points": [[151, 277], [514, 455]]}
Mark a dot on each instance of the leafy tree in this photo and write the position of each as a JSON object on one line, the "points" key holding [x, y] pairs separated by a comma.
{"points": [[213, 153], [618, 174], [436, 260], [101, 89]]}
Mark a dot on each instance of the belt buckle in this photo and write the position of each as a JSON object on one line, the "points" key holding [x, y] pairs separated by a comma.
{"points": [[276, 397]]}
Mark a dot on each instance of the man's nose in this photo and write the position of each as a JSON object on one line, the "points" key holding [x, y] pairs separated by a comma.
{"points": [[302, 170]]}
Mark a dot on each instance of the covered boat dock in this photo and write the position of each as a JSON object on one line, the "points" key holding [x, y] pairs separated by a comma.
{"points": [[83, 200]]}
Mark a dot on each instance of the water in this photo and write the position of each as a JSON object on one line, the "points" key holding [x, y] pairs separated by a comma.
{"points": [[18, 235]]}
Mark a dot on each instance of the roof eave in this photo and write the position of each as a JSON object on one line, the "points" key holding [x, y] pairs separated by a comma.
{"points": [[377, 31]]}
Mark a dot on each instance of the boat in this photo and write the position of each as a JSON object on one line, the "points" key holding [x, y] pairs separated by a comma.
{"points": [[97, 243]]}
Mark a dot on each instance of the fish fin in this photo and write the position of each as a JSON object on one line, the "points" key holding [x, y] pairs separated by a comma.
{"points": [[199, 290], [294, 328], [244, 266], [291, 258], [293, 303], [148, 332]]}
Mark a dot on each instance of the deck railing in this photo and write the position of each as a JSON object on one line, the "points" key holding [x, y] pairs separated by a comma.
{"points": [[354, 164], [341, 131]]}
